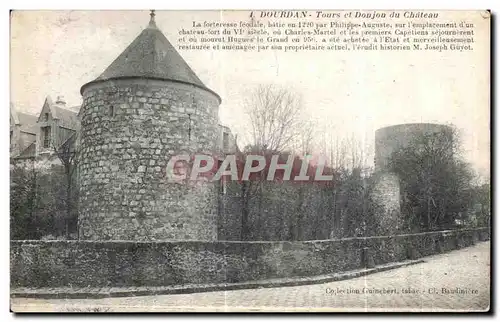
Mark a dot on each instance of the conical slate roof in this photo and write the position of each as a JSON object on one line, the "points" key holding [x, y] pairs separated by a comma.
{"points": [[151, 55]]}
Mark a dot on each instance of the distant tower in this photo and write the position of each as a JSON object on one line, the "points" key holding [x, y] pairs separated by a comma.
{"points": [[391, 138], [387, 192], [147, 106]]}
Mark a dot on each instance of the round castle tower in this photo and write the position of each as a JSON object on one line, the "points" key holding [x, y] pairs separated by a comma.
{"points": [[147, 106], [391, 138], [387, 192]]}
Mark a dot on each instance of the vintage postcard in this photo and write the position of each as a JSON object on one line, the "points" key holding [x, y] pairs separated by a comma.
{"points": [[250, 161]]}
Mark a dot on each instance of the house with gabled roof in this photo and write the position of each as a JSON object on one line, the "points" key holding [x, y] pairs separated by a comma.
{"points": [[56, 124], [23, 131], [35, 136]]}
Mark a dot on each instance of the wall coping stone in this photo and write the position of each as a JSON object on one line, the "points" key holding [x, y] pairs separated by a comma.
{"points": [[271, 242]]}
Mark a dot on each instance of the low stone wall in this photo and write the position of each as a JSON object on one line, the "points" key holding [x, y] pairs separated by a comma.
{"points": [[123, 263]]}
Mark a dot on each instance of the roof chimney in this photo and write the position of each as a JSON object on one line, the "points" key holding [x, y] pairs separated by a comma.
{"points": [[60, 100]]}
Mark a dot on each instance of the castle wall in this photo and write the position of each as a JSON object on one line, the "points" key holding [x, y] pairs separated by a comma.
{"points": [[130, 128]]}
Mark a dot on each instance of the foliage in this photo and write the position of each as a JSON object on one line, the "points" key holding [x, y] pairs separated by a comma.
{"points": [[301, 211], [38, 202], [434, 180], [352, 209], [22, 202], [480, 215]]}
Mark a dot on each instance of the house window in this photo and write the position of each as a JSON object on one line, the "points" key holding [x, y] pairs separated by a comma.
{"points": [[225, 141], [46, 117], [46, 136]]}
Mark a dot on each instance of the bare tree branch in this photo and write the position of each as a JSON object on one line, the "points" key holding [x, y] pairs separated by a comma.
{"points": [[275, 117]]}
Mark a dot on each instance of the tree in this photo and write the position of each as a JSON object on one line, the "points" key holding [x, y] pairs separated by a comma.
{"points": [[68, 154], [482, 198], [37, 206], [275, 117], [434, 180], [305, 138], [22, 200], [276, 126], [350, 204]]}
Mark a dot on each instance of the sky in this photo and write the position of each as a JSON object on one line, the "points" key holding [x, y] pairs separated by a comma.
{"points": [[344, 93]]}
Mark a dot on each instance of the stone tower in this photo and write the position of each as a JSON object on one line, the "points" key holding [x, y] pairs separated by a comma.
{"points": [[387, 191], [147, 106], [391, 138]]}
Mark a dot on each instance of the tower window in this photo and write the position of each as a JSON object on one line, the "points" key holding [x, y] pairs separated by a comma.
{"points": [[111, 111], [225, 141], [189, 127]]}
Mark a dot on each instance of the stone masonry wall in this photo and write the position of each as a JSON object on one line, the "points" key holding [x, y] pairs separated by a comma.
{"points": [[130, 128], [386, 195], [114, 264]]}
